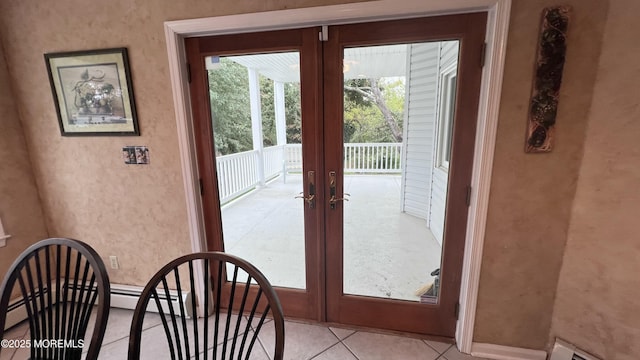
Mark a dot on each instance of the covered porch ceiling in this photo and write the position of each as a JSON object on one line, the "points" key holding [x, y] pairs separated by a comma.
{"points": [[360, 62]]}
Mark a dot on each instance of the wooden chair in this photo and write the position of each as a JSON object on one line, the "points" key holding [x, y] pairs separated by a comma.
{"points": [[241, 303], [60, 283]]}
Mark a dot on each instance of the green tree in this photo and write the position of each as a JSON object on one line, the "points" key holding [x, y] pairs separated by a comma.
{"points": [[291, 110], [268, 112], [374, 109], [230, 108]]}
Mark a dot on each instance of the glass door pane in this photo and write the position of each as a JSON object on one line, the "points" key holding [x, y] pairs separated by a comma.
{"points": [[398, 114], [256, 115]]}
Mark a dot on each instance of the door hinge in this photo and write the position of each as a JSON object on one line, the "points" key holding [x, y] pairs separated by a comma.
{"points": [[201, 187], [483, 54], [323, 35], [468, 196], [189, 73], [456, 310]]}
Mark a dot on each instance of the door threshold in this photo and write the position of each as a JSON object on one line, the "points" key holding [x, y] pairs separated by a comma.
{"points": [[442, 339]]}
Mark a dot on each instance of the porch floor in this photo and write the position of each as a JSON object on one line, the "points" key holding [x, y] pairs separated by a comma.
{"points": [[387, 253]]}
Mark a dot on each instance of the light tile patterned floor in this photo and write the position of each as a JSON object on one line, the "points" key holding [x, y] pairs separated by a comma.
{"points": [[303, 341]]}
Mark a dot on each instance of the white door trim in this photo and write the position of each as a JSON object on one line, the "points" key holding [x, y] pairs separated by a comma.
{"points": [[496, 37]]}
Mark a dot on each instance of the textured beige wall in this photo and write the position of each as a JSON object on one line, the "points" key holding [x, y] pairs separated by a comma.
{"points": [[20, 208], [532, 194], [137, 213], [597, 305]]}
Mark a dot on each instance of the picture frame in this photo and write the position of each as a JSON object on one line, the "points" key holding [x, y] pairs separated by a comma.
{"points": [[93, 93]]}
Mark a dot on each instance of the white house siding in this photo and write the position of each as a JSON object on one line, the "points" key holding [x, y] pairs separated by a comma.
{"points": [[422, 76], [440, 177]]}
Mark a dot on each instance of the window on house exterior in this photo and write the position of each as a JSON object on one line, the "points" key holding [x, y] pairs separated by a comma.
{"points": [[448, 80]]}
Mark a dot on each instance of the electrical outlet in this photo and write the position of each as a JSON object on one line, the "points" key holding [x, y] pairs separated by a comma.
{"points": [[114, 262]]}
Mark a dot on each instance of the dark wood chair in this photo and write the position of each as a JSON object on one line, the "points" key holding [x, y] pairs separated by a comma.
{"points": [[241, 303], [60, 283]]}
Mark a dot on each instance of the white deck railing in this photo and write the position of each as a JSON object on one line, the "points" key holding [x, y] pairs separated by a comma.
{"points": [[372, 158], [238, 173], [273, 156]]}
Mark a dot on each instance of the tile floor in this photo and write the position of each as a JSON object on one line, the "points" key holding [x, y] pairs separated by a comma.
{"points": [[303, 341]]}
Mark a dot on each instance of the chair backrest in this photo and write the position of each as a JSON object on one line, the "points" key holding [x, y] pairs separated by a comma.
{"points": [[59, 282], [240, 301]]}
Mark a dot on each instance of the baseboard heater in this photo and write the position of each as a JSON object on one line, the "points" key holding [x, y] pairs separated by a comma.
{"points": [[126, 297], [122, 296], [17, 310], [563, 350]]}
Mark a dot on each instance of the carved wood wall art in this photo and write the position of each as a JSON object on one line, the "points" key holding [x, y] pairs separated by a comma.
{"points": [[552, 47]]}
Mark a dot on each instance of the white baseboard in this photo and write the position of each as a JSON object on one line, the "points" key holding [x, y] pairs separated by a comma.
{"points": [[500, 352], [126, 297]]}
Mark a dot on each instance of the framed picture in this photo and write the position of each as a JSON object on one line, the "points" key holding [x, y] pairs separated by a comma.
{"points": [[92, 92]]}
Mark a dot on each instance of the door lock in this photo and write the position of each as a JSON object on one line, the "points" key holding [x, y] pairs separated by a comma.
{"points": [[332, 191], [311, 198]]}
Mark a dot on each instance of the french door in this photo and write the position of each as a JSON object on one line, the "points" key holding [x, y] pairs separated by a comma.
{"points": [[338, 162]]}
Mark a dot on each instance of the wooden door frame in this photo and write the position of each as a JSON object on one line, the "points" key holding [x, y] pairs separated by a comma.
{"points": [[434, 319], [302, 303], [496, 39]]}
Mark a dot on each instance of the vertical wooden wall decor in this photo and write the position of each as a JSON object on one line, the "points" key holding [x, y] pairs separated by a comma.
{"points": [[552, 47]]}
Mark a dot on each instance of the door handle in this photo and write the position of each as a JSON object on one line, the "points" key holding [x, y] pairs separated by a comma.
{"points": [[311, 198], [332, 191]]}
